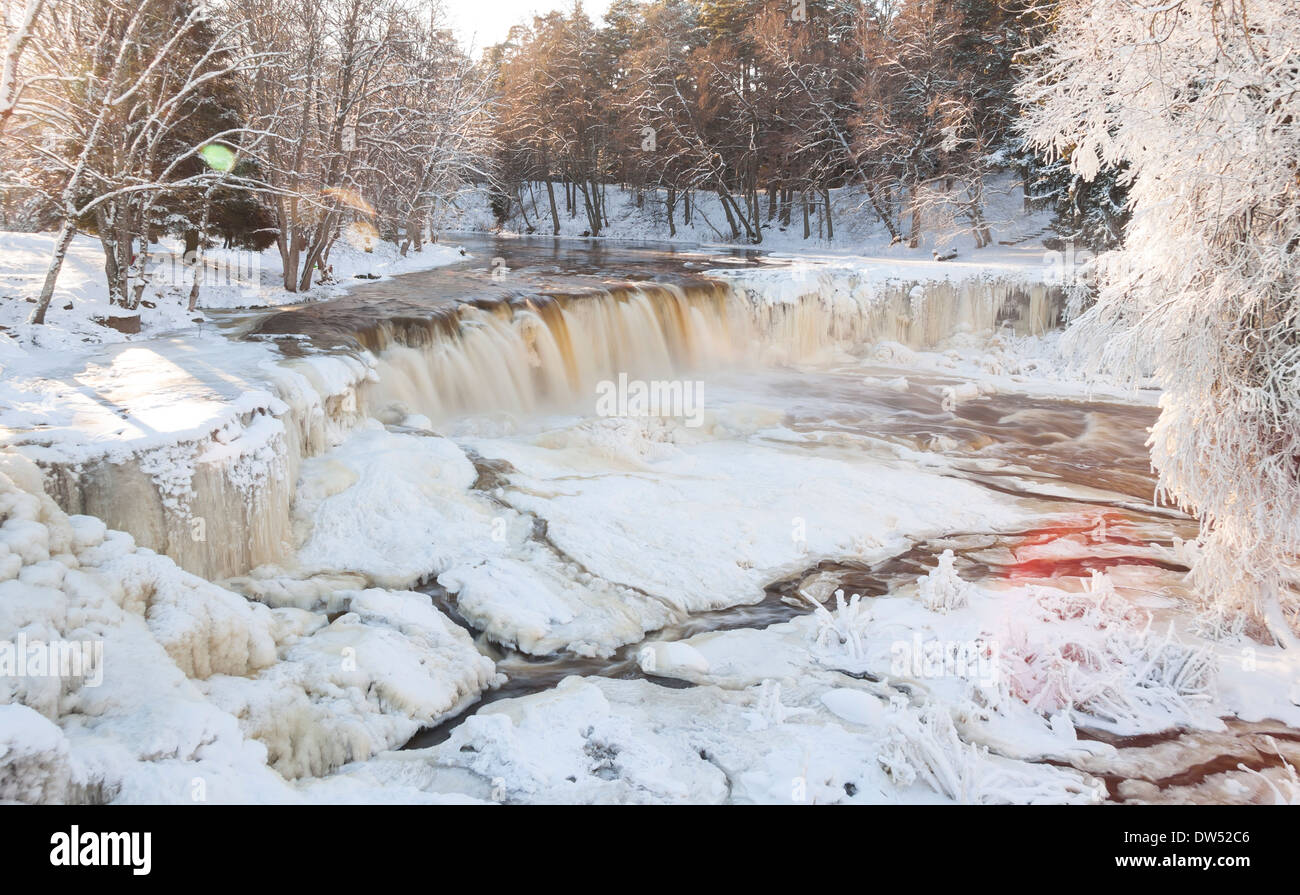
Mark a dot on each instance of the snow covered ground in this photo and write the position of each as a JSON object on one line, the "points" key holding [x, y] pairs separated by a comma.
{"points": [[194, 693], [940, 689], [231, 279], [562, 537]]}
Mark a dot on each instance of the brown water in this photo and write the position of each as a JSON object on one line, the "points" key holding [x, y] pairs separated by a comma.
{"points": [[495, 270]]}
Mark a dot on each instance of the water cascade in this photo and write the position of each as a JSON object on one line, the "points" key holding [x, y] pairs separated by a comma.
{"points": [[549, 351], [221, 505]]}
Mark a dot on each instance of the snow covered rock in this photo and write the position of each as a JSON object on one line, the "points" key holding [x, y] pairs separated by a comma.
{"points": [[366, 682], [141, 682]]}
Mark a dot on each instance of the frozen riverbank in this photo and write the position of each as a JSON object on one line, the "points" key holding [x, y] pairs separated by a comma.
{"points": [[80, 314], [854, 424]]}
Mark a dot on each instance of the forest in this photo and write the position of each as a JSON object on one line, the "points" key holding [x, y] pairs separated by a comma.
{"points": [[232, 122]]}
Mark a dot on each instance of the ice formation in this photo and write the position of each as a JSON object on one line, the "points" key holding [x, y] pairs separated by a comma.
{"points": [[201, 688], [326, 488]]}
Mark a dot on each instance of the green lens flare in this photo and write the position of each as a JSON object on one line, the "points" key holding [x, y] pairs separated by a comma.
{"points": [[219, 158]]}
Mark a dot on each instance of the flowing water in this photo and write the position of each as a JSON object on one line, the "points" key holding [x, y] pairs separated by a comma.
{"points": [[523, 330]]}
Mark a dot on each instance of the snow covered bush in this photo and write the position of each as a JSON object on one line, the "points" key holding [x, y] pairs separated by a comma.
{"points": [[1284, 786], [1201, 100], [1096, 654], [926, 746], [943, 589], [846, 627]]}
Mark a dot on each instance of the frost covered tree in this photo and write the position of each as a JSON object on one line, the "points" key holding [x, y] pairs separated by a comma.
{"points": [[936, 105], [369, 113], [319, 100], [657, 101], [131, 120], [1200, 99], [433, 133], [110, 93], [16, 30]]}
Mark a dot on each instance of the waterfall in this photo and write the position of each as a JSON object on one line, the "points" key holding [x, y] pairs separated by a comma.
{"points": [[548, 352], [221, 505]]}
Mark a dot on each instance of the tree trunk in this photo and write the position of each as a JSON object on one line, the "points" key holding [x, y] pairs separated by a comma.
{"points": [[532, 196], [138, 274], [593, 216], [522, 210], [319, 246], [830, 225], [555, 214], [885, 216], [194, 256], [670, 202], [731, 219], [115, 238], [807, 230], [415, 231], [290, 254], [66, 232]]}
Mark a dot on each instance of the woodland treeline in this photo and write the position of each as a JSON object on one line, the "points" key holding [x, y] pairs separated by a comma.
{"points": [[236, 122], [771, 104], [251, 125]]}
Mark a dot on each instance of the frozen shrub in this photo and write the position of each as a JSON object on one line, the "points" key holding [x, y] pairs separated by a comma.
{"points": [[943, 589]]}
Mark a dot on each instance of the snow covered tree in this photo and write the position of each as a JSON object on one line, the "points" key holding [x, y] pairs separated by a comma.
{"points": [[937, 104], [1088, 212], [1200, 99], [658, 103], [320, 102], [16, 30], [433, 133], [108, 112]]}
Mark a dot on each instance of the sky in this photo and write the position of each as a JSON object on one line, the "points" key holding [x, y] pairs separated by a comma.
{"points": [[486, 22]]}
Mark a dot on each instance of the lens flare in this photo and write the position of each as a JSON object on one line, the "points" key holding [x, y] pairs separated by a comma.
{"points": [[350, 199], [219, 158]]}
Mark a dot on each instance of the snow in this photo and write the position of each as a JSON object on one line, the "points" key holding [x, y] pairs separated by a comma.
{"points": [[398, 508], [381, 503], [600, 740], [295, 673], [361, 684], [236, 279], [942, 589], [200, 687], [728, 514]]}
